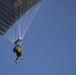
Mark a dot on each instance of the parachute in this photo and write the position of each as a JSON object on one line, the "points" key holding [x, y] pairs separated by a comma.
{"points": [[16, 16]]}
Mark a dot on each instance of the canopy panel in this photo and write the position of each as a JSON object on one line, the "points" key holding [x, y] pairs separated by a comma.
{"points": [[10, 12]]}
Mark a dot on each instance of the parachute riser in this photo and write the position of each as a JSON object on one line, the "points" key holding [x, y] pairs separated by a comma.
{"points": [[18, 42]]}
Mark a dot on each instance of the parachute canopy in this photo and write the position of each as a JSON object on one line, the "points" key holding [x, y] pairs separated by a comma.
{"points": [[10, 12]]}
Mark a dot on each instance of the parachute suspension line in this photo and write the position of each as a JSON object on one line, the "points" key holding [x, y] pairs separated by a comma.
{"points": [[20, 22], [9, 36], [15, 28], [25, 19], [29, 17]]}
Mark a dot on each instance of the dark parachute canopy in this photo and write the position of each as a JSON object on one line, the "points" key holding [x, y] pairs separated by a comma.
{"points": [[12, 10], [16, 17]]}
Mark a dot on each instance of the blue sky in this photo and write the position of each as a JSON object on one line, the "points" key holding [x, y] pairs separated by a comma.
{"points": [[49, 45]]}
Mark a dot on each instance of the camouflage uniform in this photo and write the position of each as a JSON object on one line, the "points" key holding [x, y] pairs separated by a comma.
{"points": [[18, 52]]}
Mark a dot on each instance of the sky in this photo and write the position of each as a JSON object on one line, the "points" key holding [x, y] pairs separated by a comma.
{"points": [[49, 46]]}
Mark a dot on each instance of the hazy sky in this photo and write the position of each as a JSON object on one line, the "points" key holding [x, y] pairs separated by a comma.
{"points": [[49, 45]]}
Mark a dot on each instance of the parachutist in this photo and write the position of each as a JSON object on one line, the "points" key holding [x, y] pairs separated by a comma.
{"points": [[17, 49]]}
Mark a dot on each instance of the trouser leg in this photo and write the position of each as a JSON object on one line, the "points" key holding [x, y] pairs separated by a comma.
{"points": [[21, 52], [17, 59]]}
